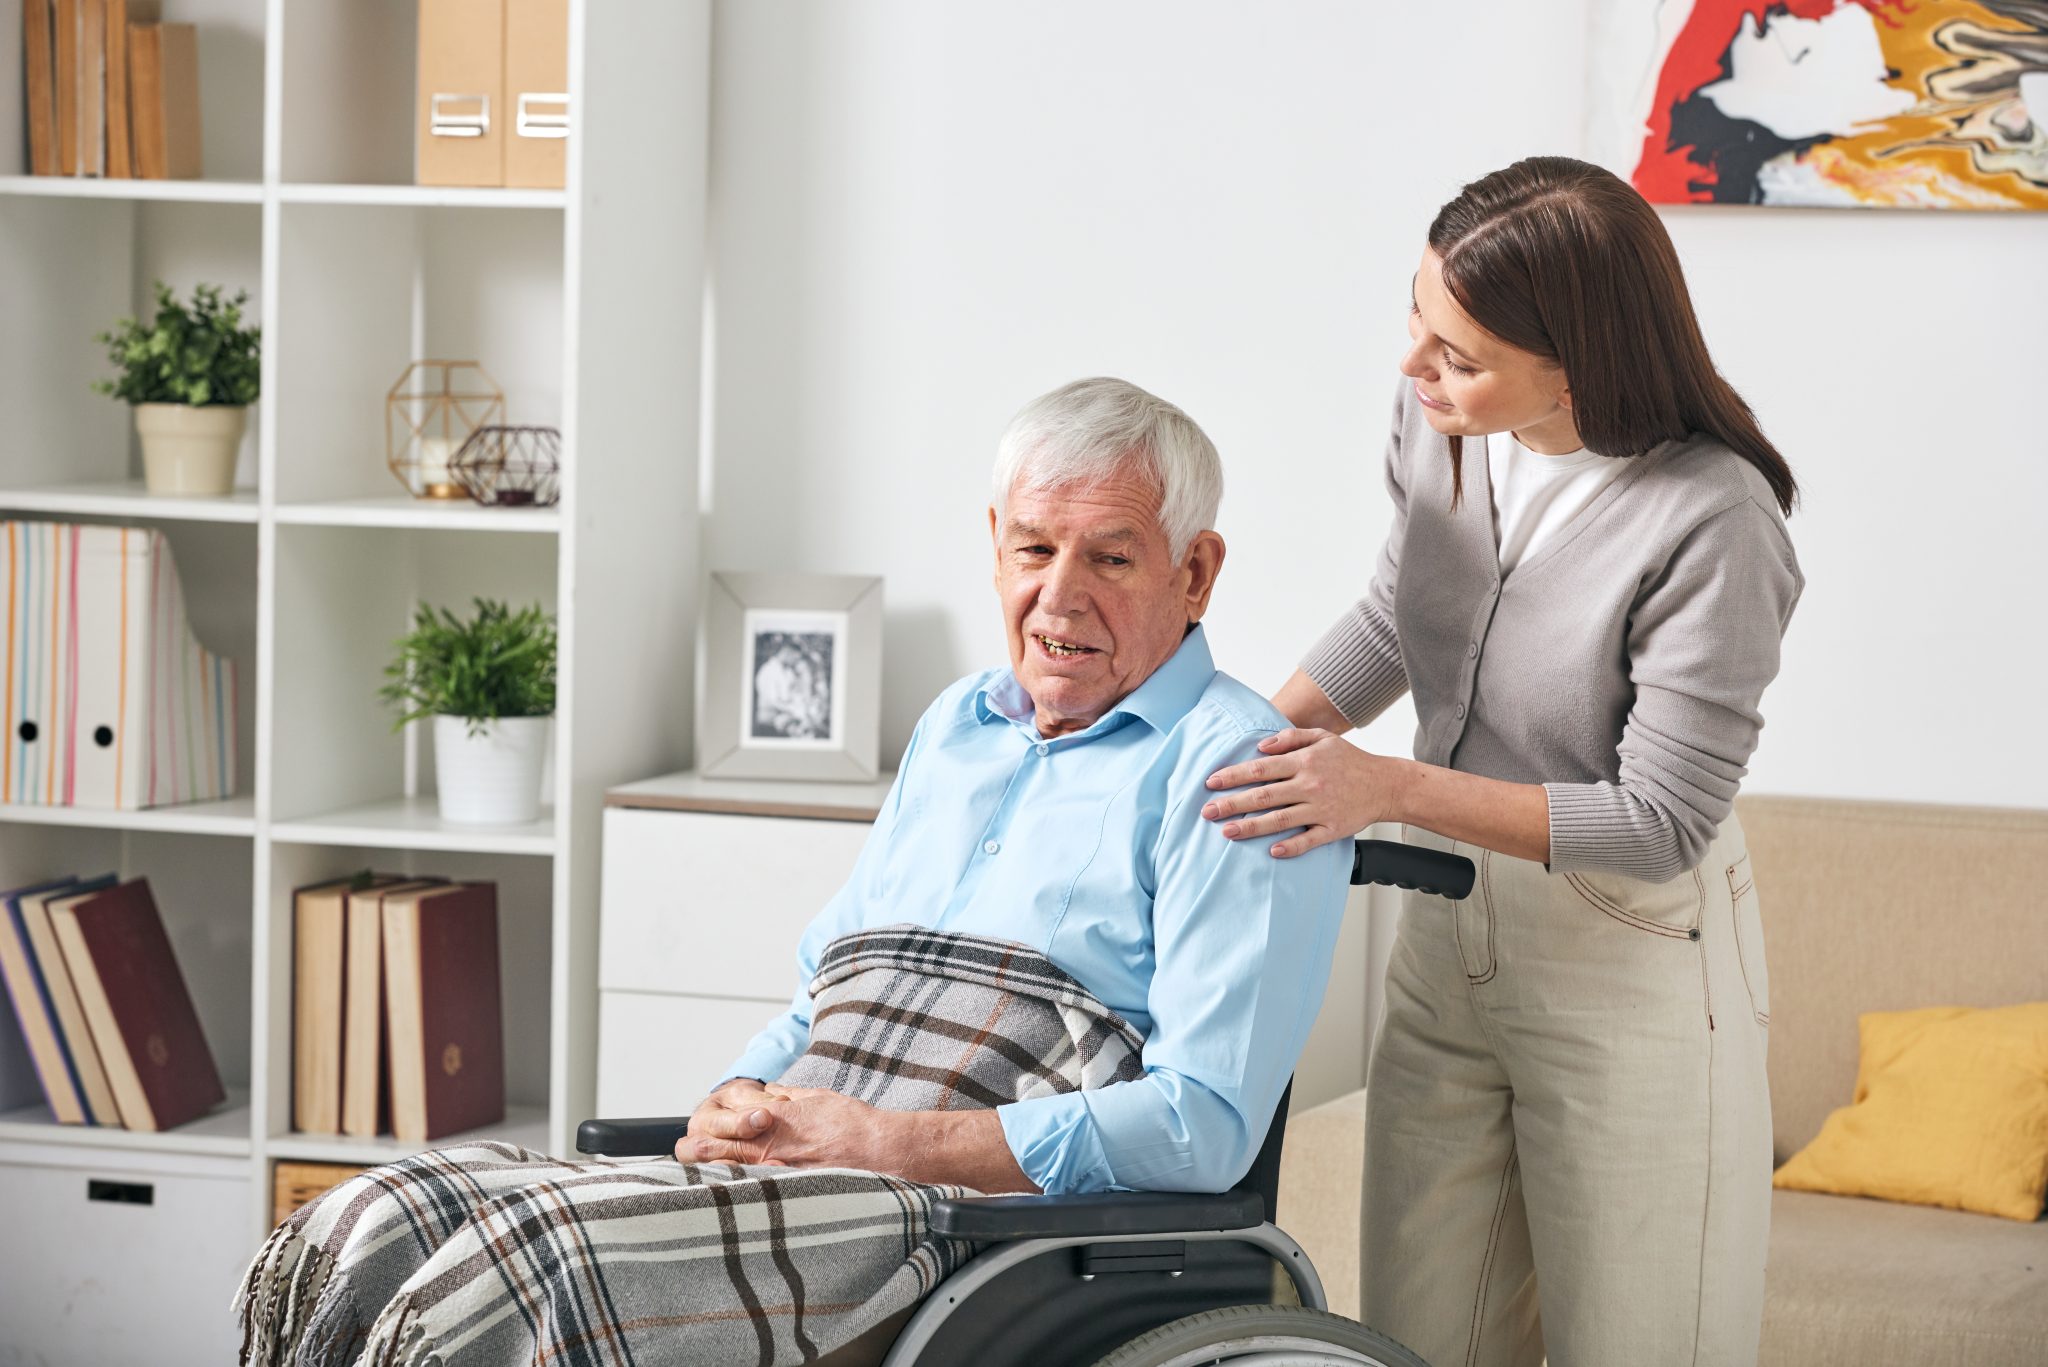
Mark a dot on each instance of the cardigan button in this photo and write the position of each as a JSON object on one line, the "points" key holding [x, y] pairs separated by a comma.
{"points": [[1461, 711], [1472, 651]]}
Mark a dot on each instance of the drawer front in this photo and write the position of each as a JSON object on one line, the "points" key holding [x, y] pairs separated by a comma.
{"points": [[702, 903], [86, 1281], [658, 1054]]}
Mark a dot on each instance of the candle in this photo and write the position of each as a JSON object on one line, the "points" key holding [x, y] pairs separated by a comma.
{"points": [[435, 453]]}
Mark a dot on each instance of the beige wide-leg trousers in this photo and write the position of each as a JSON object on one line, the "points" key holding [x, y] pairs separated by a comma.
{"points": [[1568, 1130]]}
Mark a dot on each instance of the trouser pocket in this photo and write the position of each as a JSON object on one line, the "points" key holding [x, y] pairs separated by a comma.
{"points": [[1749, 937]]}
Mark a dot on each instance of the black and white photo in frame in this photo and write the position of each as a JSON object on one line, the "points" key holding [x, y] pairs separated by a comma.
{"points": [[796, 692], [790, 674]]}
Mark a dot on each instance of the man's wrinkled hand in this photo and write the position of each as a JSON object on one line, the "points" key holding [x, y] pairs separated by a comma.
{"points": [[808, 1127], [734, 1112]]}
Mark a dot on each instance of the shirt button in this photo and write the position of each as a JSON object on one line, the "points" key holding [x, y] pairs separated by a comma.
{"points": [[1045, 749], [990, 847], [1472, 651], [1461, 716]]}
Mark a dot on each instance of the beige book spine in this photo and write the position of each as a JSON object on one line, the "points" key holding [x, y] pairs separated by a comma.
{"points": [[362, 1070], [85, 1053], [178, 77], [146, 99], [404, 1018], [318, 969], [39, 1031], [99, 1015], [39, 80]]}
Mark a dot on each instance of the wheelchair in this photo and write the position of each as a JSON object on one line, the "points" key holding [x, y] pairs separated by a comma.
{"points": [[1131, 1278]]}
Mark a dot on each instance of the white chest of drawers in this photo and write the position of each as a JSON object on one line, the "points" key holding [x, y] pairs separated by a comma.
{"points": [[708, 885]]}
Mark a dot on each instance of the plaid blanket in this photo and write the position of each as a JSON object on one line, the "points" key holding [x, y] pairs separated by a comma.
{"points": [[485, 1253]]}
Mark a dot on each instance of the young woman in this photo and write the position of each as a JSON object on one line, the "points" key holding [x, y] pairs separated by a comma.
{"points": [[1568, 1138]]}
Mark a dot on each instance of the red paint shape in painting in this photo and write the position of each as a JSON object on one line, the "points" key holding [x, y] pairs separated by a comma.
{"points": [[1667, 174]]}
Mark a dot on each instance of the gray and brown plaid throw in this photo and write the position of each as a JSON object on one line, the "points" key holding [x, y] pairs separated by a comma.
{"points": [[485, 1254]]}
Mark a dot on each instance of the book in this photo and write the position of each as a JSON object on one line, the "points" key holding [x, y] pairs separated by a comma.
{"points": [[178, 84], [64, 65], [146, 100], [32, 1008], [79, 1047], [142, 1017], [442, 1000], [365, 1100], [92, 87], [319, 989], [120, 123], [163, 98], [40, 88]]}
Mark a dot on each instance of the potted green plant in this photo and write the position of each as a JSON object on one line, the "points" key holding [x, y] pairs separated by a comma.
{"points": [[191, 373], [489, 684]]}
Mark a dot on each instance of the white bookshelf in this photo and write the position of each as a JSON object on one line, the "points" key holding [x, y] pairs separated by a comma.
{"points": [[583, 304]]}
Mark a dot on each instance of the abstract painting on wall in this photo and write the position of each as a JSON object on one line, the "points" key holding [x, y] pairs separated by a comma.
{"points": [[1933, 104]]}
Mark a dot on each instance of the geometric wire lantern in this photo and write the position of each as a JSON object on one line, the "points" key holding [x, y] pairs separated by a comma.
{"points": [[510, 466], [428, 414]]}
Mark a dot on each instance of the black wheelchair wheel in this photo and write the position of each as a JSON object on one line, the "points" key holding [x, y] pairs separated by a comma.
{"points": [[1263, 1336]]}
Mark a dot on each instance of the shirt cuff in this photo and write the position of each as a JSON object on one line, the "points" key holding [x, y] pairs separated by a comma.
{"points": [[765, 1064], [1599, 828], [1055, 1142], [1358, 665]]}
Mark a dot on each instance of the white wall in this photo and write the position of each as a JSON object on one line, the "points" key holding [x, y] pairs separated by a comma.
{"points": [[924, 214]]}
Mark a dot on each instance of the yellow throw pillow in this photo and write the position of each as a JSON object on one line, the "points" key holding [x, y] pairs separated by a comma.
{"points": [[1951, 1110]]}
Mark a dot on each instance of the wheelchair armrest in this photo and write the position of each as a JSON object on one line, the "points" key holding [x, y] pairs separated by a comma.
{"points": [[998, 1219], [640, 1137]]}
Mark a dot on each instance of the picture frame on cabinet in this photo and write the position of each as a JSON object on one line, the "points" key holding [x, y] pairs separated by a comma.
{"points": [[790, 676]]}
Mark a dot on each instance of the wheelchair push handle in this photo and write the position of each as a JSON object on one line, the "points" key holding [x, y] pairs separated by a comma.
{"points": [[1411, 866]]}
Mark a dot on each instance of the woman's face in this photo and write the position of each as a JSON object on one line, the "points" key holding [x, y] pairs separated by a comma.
{"points": [[1472, 383]]}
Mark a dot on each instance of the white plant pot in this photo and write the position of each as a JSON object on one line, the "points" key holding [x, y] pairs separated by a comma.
{"points": [[494, 778], [189, 451]]}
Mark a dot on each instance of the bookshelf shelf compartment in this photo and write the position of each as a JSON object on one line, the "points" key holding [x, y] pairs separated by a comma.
{"points": [[223, 1132], [128, 498], [414, 823], [525, 1126]]}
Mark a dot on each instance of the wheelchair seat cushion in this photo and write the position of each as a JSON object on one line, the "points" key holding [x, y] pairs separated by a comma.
{"points": [[485, 1253]]}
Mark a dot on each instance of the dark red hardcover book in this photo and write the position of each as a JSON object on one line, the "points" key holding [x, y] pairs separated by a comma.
{"points": [[446, 1026], [141, 1014]]}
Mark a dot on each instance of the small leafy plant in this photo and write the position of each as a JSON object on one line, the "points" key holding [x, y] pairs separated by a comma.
{"points": [[197, 354], [499, 663]]}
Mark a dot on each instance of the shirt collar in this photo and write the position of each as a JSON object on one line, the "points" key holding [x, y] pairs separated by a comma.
{"points": [[1160, 702]]}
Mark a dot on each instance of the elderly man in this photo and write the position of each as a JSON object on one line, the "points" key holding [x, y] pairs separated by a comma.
{"points": [[1057, 803], [1046, 973]]}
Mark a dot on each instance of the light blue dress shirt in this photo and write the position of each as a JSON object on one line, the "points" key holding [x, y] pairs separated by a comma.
{"points": [[1091, 848]]}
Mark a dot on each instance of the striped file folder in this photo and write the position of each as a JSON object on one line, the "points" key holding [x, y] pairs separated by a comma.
{"points": [[111, 701]]}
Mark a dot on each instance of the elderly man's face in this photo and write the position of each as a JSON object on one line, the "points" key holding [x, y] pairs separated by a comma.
{"points": [[1092, 599]]}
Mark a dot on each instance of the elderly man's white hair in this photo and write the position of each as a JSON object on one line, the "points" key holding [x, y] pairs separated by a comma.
{"points": [[1085, 432]]}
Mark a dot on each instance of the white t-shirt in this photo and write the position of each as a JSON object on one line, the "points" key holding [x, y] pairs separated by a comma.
{"points": [[1535, 495]]}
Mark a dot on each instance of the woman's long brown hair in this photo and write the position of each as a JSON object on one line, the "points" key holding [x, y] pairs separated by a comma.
{"points": [[1567, 261]]}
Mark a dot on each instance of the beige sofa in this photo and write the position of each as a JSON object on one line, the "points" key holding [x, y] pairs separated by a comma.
{"points": [[1867, 906]]}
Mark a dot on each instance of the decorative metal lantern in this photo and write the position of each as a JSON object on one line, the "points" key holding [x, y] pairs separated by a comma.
{"points": [[510, 466], [428, 414]]}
